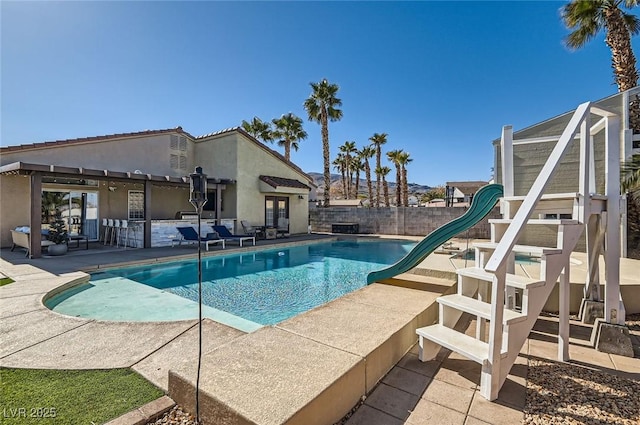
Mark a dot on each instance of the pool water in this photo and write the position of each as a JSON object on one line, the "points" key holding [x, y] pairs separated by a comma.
{"points": [[245, 291]]}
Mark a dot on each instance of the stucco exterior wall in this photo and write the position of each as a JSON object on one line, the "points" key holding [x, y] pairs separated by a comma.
{"points": [[15, 205], [253, 162], [235, 157], [150, 154]]}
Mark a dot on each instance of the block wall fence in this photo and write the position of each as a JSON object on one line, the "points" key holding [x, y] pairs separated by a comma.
{"points": [[406, 221]]}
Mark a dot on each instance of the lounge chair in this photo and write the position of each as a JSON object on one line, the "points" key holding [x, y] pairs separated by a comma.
{"points": [[227, 235], [189, 234], [283, 227], [250, 230]]}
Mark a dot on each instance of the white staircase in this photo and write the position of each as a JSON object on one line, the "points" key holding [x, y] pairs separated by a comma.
{"points": [[505, 304]]}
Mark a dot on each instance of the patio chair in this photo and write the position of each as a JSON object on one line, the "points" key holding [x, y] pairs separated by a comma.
{"points": [[189, 234], [250, 230], [283, 227], [227, 235]]}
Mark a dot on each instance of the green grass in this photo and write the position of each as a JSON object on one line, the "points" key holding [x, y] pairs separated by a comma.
{"points": [[71, 397], [5, 281]]}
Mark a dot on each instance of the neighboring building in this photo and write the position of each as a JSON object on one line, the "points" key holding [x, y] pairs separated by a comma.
{"points": [[461, 192], [533, 145], [143, 177]]}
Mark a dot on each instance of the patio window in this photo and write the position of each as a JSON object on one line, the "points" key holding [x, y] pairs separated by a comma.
{"points": [[136, 205]]}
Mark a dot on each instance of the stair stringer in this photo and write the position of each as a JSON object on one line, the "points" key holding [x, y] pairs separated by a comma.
{"points": [[534, 299]]}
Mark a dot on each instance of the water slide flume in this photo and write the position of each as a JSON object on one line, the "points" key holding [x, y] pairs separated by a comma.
{"points": [[483, 202]]}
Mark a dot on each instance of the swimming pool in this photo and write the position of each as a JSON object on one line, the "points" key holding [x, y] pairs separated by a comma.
{"points": [[245, 291]]}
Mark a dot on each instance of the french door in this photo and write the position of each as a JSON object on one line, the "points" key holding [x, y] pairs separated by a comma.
{"points": [[275, 208]]}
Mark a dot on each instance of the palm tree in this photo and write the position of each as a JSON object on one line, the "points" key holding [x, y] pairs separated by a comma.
{"points": [[348, 149], [393, 157], [383, 172], [404, 159], [288, 129], [258, 129], [377, 140], [365, 154], [322, 107], [340, 165], [356, 167], [586, 18], [630, 174]]}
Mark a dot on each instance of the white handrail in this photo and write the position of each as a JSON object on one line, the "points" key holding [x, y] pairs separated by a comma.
{"points": [[517, 226]]}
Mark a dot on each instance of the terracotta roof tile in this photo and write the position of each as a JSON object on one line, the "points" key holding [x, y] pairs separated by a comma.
{"points": [[283, 182]]}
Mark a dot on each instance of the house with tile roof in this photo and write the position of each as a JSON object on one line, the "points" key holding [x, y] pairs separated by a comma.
{"points": [[143, 177]]}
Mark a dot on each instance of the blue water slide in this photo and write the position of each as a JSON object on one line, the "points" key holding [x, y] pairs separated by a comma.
{"points": [[483, 202]]}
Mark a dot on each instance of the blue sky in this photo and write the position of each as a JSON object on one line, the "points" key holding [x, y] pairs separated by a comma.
{"points": [[440, 78]]}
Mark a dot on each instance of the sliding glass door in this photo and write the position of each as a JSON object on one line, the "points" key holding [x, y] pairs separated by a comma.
{"points": [[79, 211]]}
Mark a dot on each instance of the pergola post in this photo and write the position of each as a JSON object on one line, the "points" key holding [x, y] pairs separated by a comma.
{"points": [[35, 220], [147, 214]]}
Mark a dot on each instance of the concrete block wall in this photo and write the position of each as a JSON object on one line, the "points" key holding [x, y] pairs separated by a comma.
{"points": [[406, 221]]}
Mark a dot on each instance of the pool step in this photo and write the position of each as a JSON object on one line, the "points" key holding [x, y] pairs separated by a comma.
{"points": [[418, 281]]}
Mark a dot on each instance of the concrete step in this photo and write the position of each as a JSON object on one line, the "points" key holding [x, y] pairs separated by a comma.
{"points": [[478, 308], [465, 345], [515, 281]]}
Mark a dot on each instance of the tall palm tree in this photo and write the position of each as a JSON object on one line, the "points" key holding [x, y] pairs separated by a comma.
{"points": [[377, 140], [586, 18], [383, 172], [393, 157], [348, 149], [258, 129], [340, 165], [357, 166], [366, 153], [404, 159], [322, 107], [288, 131]]}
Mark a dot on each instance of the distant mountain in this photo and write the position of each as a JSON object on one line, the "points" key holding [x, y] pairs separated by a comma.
{"points": [[336, 180]]}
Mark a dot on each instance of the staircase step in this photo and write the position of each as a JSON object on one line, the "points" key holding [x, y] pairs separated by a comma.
{"points": [[465, 345], [478, 308], [537, 221], [556, 196], [515, 281], [526, 249]]}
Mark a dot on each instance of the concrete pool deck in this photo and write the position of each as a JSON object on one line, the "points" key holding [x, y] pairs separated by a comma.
{"points": [[338, 341]]}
